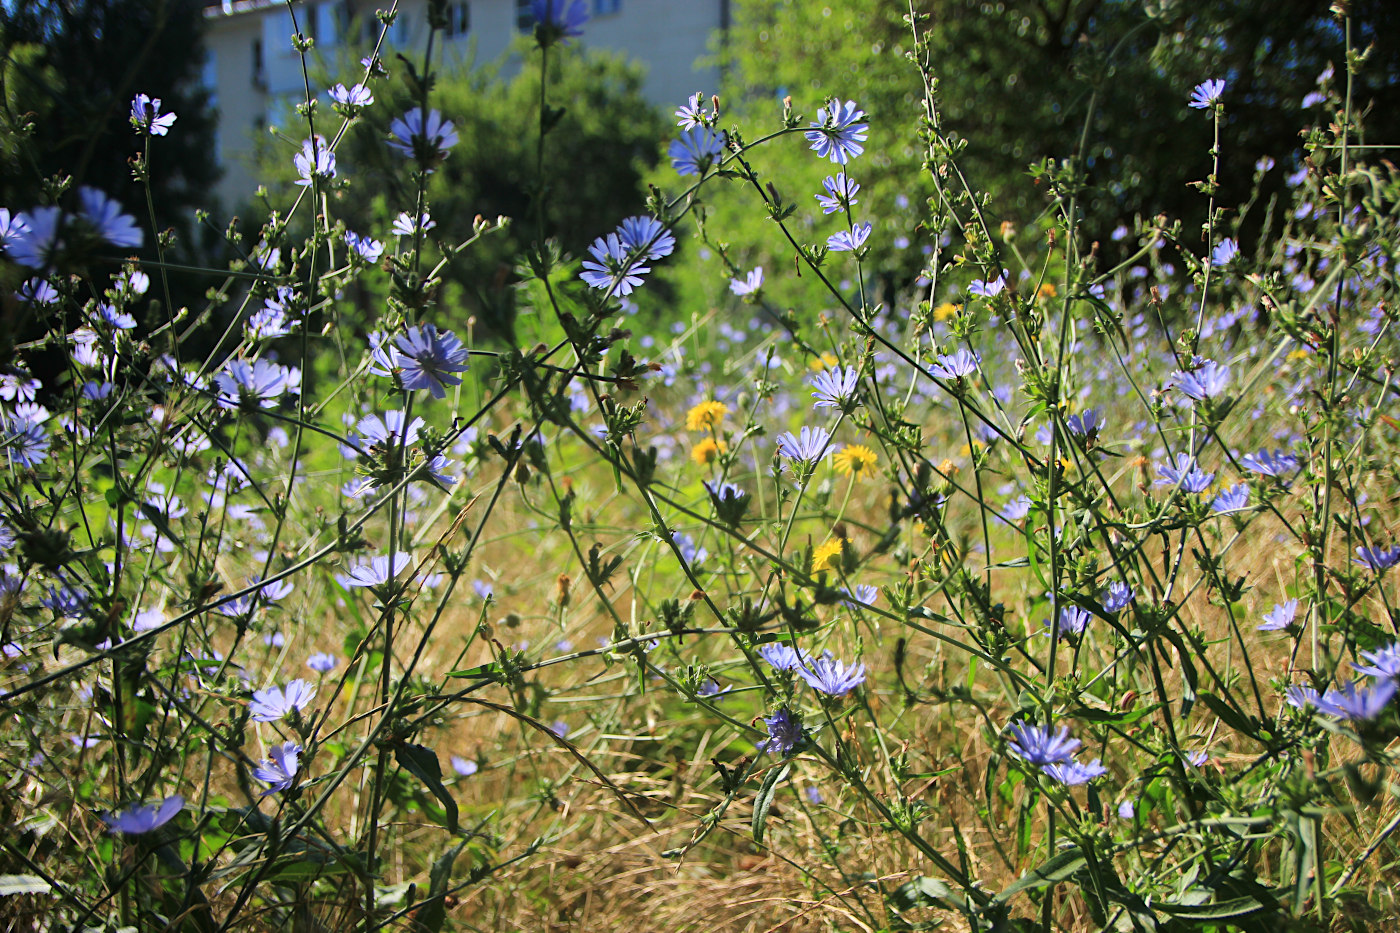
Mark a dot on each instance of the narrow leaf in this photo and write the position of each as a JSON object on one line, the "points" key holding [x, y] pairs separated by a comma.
{"points": [[422, 763], [433, 911], [764, 801], [1060, 867], [23, 884]]}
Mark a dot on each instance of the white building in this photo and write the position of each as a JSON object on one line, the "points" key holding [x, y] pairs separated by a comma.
{"points": [[255, 75]]}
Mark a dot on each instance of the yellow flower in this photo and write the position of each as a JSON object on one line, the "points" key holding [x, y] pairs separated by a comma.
{"points": [[857, 459], [707, 451], [825, 361], [945, 311], [1046, 290], [824, 554], [1297, 355], [705, 416]]}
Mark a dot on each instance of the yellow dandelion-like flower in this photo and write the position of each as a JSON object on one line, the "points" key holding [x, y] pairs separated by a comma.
{"points": [[1296, 356], [705, 416], [1046, 290], [856, 459], [945, 311], [825, 554], [825, 361], [707, 451]]}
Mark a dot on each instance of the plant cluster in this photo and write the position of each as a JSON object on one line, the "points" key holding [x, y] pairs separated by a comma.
{"points": [[1051, 594]]}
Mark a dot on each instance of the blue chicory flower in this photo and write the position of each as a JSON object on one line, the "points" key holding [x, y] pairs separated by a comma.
{"points": [[1280, 618], [1385, 662], [1184, 474], [425, 139], [836, 388], [646, 236], [696, 150], [782, 656], [1277, 463], [1378, 559], [559, 19], [1209, 379], [1116, 596], [1232, 499], [147, 118], [1037, 746], [272, 704], [1207, 93], [429, 359], [810, 446], [837, 133], [144, 818], [353, 97], [830, 676], [956, 365], [613, 267], [1354, 701], [848, 241], [1224, 253], [106, 217], [363, 247], [749, 284], [322, 662], [840, 193], [315, 161], [784, 732], [34, 237], [1071, 773], [279, 771], [376, 571], [1072, 622]]}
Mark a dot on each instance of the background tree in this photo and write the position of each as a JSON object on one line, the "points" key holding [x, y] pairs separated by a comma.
{"points": [[1018, 79], [68, 72], [70, 69], [606, 139]]}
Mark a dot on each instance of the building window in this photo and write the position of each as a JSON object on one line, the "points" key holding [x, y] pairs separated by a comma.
{"points": [[259, 66], [459, 19], [524, 16], [606, 7]]}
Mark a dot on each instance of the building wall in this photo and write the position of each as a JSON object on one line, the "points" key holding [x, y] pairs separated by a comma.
{"points": [[257, 74]]}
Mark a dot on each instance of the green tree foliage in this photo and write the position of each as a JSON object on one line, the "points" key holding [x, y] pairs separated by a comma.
{"points": [[606, 139], [1019, 80], [70, 69], [68, 72]]}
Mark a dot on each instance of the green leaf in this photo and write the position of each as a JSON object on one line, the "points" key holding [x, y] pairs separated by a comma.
{"points": [[1232, 717], [1060, 867], [924, 892], [1089, 714], [490, 672], [764, 801], [1220, 910], [433, 912], [23, 884], [422, 763], [1188, 672]]}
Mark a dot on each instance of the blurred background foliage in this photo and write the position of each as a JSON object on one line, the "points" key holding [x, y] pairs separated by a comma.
{"points": [[68, 72], [607, 138], [1021, 81]]}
